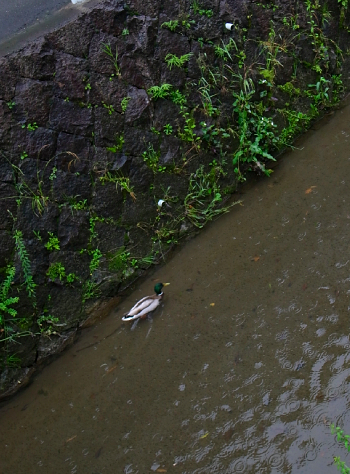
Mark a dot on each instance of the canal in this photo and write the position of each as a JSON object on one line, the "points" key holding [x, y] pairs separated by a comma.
{"points": [[244, 366]]}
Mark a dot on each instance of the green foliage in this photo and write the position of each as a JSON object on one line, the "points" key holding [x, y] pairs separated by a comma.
{"points": [[53, 243], [195, 6], [110, 108], [78, 205], [5, 300], [31, 126], [172, 24], [168, 129], [25, 263], [188, 134], [113, 57], [151, 158], [56, 270], [119, 180], [344, 3], [160, 92], [53, 174], [345, 440], [90, 290], [289, 89], [203, 198], [320, 93], [10, 104], [173, 60], [124, 103], [24, 155], [125, 32], [256, 134], [223, 52], [118, 262], [95, 260], [338, 87], [297, 122], [178, 98], [118, 146]]}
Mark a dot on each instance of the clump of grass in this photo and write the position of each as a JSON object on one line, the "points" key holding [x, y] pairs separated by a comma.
{"points": [[107, 49]]}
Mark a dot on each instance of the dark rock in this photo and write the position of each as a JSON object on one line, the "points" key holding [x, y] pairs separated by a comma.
{"points": [[7, 246], [5, 125], [99, 61], [138, 140], [33, 101], [12, 380], [166, 112], [109, 238], [73, 153], [73, 229], [140, 71], [170, 42], [143, 34], [53, 345], [8, 205], [140, 176], [66, 305], [107, 128], [67, 40], [36, 61], [98, 310], [143, 7], [68, 185], [174, 76], [71, 73], [8, 79], [29, 220], [107, 201], [39, 143], [110, 92], [73, 262], [109, 16], [171, 152], [70, 118], [138, 107]]}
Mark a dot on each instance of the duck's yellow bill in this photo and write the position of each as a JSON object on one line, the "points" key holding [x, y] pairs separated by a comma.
{"points": [[166, 284]]}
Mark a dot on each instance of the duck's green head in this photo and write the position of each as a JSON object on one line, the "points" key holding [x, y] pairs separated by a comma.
{"points": [[158, 288]]}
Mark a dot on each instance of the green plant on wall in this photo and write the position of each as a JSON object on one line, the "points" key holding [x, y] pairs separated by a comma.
{"points": [[160, 92], [120, 181], [203, 198], [151, 158], [256, 134], [171, 25], [173, 60], [53, 243], [113, 57]]}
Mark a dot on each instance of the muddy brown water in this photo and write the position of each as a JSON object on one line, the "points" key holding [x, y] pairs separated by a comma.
{"points": [[245, 365]]}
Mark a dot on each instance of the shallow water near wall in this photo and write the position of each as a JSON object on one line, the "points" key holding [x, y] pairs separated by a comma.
{"points": [[245, 365]]}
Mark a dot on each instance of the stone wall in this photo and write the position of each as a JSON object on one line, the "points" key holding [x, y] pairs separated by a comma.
{"points": [[99, 177]]}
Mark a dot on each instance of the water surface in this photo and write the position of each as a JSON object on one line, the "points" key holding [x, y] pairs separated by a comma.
{"points": [[244, 366]]}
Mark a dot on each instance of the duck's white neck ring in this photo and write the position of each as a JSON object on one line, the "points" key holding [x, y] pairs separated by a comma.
{"points": [[161, 294]]}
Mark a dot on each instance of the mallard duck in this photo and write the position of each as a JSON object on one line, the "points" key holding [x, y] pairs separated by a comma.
{"points": [[146, 305]]}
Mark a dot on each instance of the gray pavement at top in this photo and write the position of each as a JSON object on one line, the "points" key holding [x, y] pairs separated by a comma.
{"points": [[23, 20]]}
